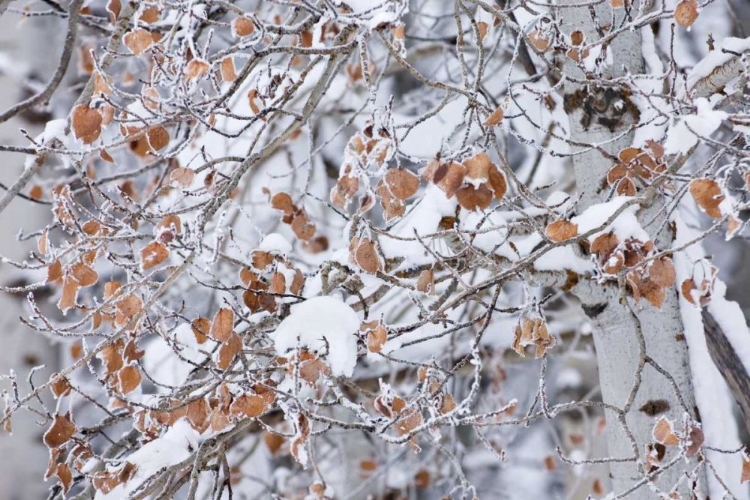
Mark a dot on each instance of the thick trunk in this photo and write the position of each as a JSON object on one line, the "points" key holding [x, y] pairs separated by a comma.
{"points": [[24, 457], [627, 336]]}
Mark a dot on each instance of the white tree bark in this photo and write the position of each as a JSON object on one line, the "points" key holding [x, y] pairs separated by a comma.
{"points": [[24, 456], [626, 335]]}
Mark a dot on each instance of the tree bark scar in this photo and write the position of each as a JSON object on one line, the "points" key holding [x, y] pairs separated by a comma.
{"points": [[655, 407], [594, 310], [729, 364]]}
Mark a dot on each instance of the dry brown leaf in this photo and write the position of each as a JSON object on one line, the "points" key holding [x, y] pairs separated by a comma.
{"points": [[91, 227], [111, 356], [171, 222], [449, 177], [243, 26], [539, 41], [222, 325], [54, 272], [228, 351], [196, 69], [247, 277], [367, 466], [475, 198], [694, 441], [604, 244], [36, 192], [364, 254], [302, 227], [138, 41], [43, 243], [377, 335], [663, 433], [69, 293], [201, 327], [248, 405], [273, 442], [298, 282], [708, 195], [498, 183], [478, 167], [422, 479], [277, 284], [65, 477], [60, 386], [260, 260], [686, 13], [745, 469], [426, 282], [86, 124], [129, 378], [401, 183], [228, 72], [495, 117], [252, 97], [113, 8], [150, 15], [448, 404], [646, 288], [60, 432], [733, 227], [662, 272], [482, 28], [158, 137], [283, 202], [153, 254], [344, 190], [111, 288], [182, 176], [197, 414], [561, 230], [533, 331], [130, 305]]}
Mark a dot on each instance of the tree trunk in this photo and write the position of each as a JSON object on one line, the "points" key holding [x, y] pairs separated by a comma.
{"points": [[626, 335], [24, 455]]}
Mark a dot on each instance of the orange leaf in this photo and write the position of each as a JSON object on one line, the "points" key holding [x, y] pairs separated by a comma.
{"points": [[60, 432], [364, 253], [401, 183], [84, 274], [708, 195], [86, 123], [561, 230], [153, 254], [474, 198], [69, 293], [228, 73], [495, 118], [664, 433], [138, 41], [54, 272], [242, 26], [182, 176], [196, 69], [745, 469], [228, 351], [222, 325], [686, 13], [158, 137], [129, 378], [249, 405], [201, 327]]}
